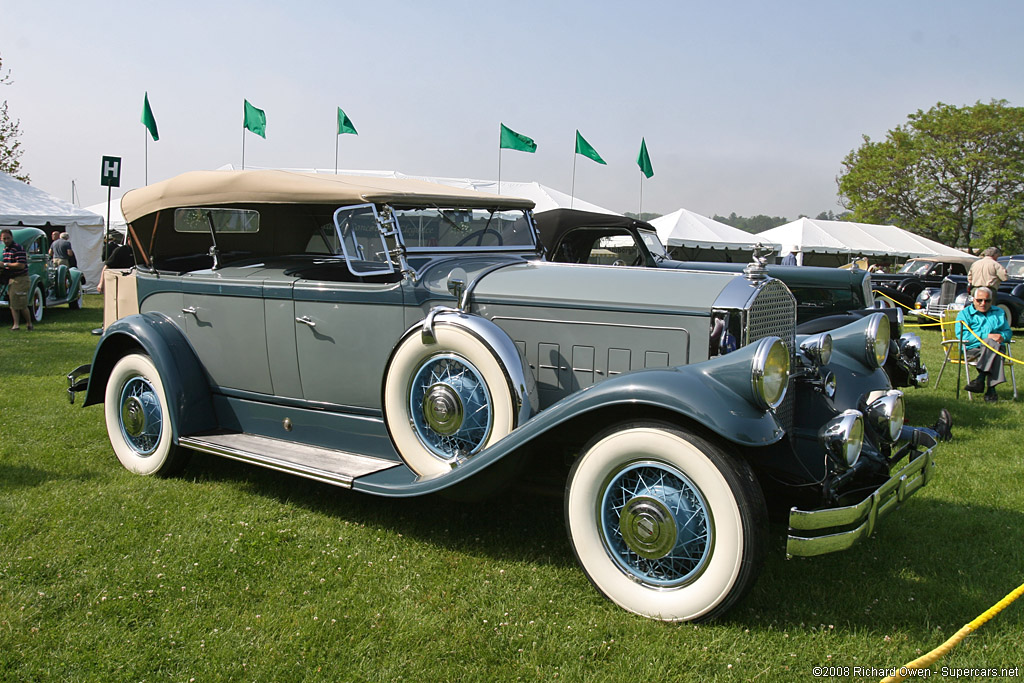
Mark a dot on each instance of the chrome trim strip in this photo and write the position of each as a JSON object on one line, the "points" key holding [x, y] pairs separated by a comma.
{"points": [[588, 322], [887, 497]]}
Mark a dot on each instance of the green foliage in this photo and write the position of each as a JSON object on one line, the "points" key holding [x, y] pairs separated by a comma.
{"points": [[645, 216], [10, 146], [754, 224], [953, 174], [234, 573]]}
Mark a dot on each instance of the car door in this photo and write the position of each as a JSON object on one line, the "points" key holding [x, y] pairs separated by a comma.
{"points": [[344, 334]]}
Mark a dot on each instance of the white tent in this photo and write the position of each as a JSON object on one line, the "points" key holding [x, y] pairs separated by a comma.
{"points": [[845, 239], [24, 205], [544, 197], [696, 235], [117, 221]]}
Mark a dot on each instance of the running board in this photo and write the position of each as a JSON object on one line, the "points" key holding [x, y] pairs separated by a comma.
{"points": [[321, 464]]}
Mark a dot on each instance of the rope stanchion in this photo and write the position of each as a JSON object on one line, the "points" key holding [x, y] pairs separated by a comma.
{"points": [[927, 660]]}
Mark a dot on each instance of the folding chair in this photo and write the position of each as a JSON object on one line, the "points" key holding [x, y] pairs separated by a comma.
{"points": [[951, 344]]}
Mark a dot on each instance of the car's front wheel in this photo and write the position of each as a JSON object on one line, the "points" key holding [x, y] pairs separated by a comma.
{"points": [[664, 522], [138, 425]]}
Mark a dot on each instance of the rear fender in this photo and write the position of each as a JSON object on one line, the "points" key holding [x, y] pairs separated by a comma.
{"points": [[184, 380]]}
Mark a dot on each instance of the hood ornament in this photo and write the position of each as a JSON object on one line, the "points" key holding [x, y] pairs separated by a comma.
{"points": [[756, 269]]}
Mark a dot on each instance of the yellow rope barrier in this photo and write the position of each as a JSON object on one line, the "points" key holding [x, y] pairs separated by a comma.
{"points": [[939, 323], [927, 660]]}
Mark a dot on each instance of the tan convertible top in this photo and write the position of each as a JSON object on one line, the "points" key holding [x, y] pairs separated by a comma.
{"points": [[209, 188]]}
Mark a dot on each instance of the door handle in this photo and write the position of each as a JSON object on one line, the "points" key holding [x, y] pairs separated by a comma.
{"points": [[191, 310], [306, 320]]}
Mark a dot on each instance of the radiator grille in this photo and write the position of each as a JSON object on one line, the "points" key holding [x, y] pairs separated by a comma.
{"points": [[773, 313]]}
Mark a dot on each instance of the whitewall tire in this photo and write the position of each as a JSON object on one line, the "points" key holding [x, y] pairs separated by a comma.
{"points": [[445, 400], [138, 425], [37, 303], [664, 522]]}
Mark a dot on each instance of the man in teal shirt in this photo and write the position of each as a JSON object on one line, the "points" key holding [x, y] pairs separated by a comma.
{"points": [[990, 324]]}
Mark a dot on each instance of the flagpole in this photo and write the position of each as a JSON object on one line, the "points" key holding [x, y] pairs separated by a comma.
{"points": [[145, 137], [499, 169], [243, 147], [572, 192], [336, 153], [640, 216]]}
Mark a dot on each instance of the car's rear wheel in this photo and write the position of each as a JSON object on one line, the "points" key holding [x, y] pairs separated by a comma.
{"points": [[138, 425], [664, 522], [1008, 312], [445, 400], [37, 303]]}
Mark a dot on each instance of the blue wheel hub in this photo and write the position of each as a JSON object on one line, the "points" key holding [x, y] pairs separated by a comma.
{"points": [[450, 407], [655, 524], [141, 416]]}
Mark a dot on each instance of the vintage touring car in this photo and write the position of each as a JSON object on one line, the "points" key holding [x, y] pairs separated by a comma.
{"points": [[400, 338]]}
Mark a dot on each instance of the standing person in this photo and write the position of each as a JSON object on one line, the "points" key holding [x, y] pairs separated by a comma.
{"points": [[120, 258], [790, 259], [15, 271], [61, 250], [989, 324], [987, 271]]}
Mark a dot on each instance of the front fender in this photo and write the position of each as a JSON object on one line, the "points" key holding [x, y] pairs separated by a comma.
{"points": [[701, 393], [77, 281], [184, 380]]}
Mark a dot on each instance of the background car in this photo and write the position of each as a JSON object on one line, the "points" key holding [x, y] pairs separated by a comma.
{"points": [[954, 290], [826, 298], [918, 274], [50, 285], [402, 338]]}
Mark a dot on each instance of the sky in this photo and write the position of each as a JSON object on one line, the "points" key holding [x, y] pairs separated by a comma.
{"points": [[746, 106]]}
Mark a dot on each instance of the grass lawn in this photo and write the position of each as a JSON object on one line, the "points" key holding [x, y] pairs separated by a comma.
{"points": [[234, 573]]}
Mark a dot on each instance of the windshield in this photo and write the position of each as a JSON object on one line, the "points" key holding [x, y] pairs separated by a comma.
{"points": [[917, 267], [1015, 268], [476, 229], [653, 243]]}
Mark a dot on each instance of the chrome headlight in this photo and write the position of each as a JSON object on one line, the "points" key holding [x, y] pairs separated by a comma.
{"points": [[909, 345], [769, 373], [843, 436], [962, 299], [876, 341], [885, 415], [818, 348], [828, 384]]}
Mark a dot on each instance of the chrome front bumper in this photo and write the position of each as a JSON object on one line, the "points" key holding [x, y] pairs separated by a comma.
{"points": [[817, 532]]}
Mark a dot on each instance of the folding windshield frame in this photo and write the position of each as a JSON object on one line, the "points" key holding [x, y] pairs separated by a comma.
{"points": [[402, 227], [354, 261]]}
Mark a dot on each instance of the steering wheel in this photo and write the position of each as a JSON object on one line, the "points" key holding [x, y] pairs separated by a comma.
{"points": [[479, 235]]}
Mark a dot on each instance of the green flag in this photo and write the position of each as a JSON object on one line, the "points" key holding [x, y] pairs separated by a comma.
{"points": [[583, 147], [643, 160], [255, 120], [147, 118], [345, 124], [513, 140]]}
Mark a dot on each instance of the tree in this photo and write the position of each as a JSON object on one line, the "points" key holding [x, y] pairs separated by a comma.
{"points": [[953, 174], [645, 216], [10, 146], [753, 224]]}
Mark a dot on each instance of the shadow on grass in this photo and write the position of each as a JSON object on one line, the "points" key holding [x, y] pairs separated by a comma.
{"points": [[24, 476], [929, 563], [510, 525]]}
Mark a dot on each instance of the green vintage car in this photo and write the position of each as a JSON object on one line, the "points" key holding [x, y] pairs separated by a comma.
{"points": [[401, 338], [50, 285]]}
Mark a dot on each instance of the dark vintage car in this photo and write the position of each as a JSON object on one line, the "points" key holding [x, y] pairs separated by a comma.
{"points": [[402, 338], [49, 285], [918, 274], [826, 298], [954, 290]]}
